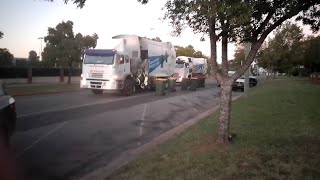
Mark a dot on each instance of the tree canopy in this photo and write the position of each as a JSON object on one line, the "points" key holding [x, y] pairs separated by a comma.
{"points": [[188, 51], [63, 48], [6, 58], [284, 51], [33, 57], [79, 3]]}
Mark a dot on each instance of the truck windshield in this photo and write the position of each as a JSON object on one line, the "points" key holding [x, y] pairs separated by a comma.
{"points": [[108, 60], [179, 65]]}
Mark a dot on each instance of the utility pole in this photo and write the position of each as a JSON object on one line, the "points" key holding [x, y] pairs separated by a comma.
{"points": [[40, 52], [246, 74]]}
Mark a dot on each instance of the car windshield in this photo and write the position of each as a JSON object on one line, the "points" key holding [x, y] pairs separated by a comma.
{"points": [[108, 60], [179, 65]]}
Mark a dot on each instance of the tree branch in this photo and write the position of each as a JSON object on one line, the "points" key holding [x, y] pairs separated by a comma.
{"points": [[256, 45], [263, 25]]}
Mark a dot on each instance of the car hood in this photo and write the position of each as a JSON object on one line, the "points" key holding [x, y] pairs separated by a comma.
{"points": [[5, 101], [240, 80]]}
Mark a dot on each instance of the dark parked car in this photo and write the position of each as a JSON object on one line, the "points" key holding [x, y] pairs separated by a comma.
{"points": [[8, 114]]}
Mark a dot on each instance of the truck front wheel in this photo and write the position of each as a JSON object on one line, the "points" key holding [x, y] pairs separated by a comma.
{"points": [[97, 91], [128, 87]]}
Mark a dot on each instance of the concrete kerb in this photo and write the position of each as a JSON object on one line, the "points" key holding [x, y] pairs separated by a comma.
{"points": [[132, 154]]}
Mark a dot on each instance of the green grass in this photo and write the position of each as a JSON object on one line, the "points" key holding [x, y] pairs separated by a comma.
{"points": [[278, 137], [41, 88]]}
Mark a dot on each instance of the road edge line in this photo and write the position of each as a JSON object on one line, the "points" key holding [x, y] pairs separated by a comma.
{"points": [[132, 154]]}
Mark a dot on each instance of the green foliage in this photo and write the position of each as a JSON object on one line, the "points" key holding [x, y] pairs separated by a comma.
{"points": [[284, 51], [33, 58], [79, 3], [63, 48], [156, 39], [288, 50], [239, 57], [6, 58], [188, 51], [312, 54]]}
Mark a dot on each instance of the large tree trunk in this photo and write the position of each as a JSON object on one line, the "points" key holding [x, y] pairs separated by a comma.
{"points": [[225, 98], [225, 110]]}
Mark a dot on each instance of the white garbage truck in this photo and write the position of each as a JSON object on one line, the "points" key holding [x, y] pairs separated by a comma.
{"points": [[135, 62], [190, 67], [182, 69]]}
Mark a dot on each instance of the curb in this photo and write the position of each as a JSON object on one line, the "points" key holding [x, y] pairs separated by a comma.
{"points": [[43, 93], [133, 154]]}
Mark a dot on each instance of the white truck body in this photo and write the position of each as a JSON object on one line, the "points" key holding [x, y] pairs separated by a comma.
{"points": [[199, 67], [135, 59], [187, 67]]}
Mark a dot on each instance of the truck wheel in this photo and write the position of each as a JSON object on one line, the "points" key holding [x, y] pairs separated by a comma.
{"points": [[97, 91], [128, 87]]}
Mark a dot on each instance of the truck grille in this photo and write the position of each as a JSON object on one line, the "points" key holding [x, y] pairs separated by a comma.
{"points": [[96, 75]]}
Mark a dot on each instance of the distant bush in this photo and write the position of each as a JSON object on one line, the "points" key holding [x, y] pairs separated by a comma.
{"points": [[299, 72], [22, 72]]}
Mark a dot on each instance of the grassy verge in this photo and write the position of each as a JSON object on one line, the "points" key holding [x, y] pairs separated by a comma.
{"points": [[41, 88], [278, 137]]}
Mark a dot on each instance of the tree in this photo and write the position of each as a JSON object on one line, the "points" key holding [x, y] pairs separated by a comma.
{"points": [[240, 21], [63, 48], [284, 51], [156, 39], [188, 51], [311, 55], [6, 58], [79, 3], [1, 34], [33, 58], [239, 57]]}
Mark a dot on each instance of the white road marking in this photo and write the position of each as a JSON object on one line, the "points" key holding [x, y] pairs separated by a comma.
{"points": [[41, 138], [143, 116]]}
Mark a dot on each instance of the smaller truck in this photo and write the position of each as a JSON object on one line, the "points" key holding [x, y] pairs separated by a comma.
{"points": [[182, 69], [190, 67]]}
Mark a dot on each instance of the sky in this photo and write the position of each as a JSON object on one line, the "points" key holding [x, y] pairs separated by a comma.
{"points": [[24, 21]]}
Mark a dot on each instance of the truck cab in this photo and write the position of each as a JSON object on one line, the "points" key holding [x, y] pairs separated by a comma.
{"points": [[104, 69], [181, 70]]}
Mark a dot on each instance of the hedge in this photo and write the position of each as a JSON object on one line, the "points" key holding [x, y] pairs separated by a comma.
{"points": [[22, 72]]}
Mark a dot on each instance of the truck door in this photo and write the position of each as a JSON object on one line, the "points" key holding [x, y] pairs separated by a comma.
{"points": [[123, 66]]}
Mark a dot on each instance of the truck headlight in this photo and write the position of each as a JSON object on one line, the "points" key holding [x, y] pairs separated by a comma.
{"points": [[114, 77]]}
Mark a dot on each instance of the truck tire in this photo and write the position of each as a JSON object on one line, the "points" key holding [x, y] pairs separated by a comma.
{"points": [[128, 87], [97, 91]]}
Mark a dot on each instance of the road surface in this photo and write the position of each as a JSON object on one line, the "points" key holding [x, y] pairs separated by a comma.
{"points": [[67, 135]]}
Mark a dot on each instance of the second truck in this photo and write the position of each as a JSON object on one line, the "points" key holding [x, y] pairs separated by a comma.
{"points": [[190, 67]]}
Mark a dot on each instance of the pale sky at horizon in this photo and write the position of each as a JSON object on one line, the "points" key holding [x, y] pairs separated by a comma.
{"points": [[22, 22]]}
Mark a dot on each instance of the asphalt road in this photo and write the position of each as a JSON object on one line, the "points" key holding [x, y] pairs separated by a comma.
{"points": [[67, 135]]}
